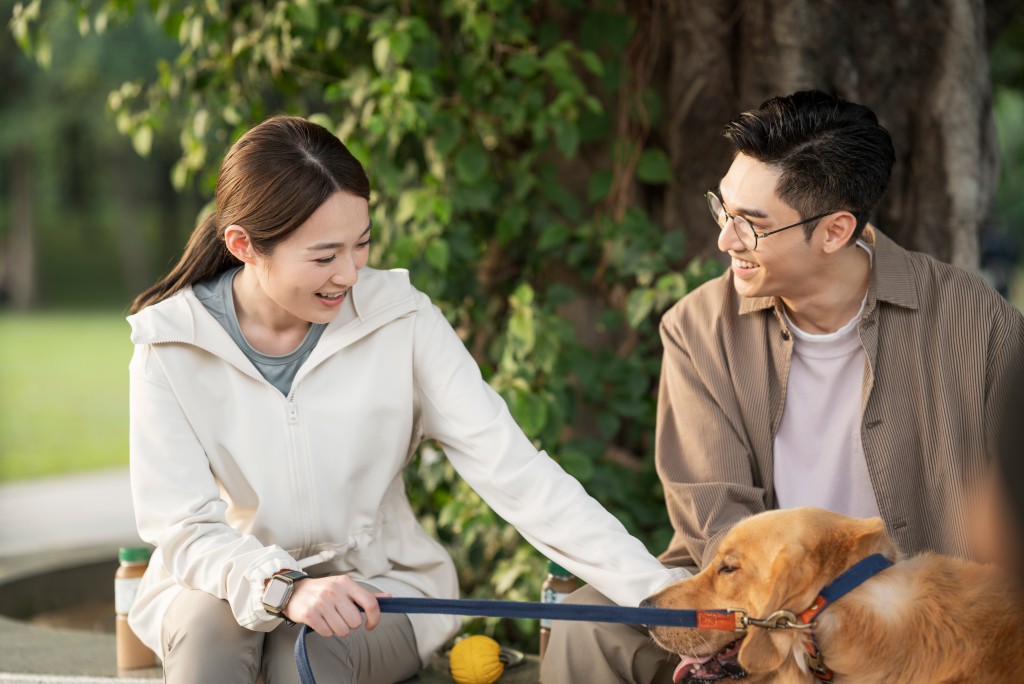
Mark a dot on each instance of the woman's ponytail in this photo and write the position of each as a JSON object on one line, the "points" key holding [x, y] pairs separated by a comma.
{"points": [[205, 256]]}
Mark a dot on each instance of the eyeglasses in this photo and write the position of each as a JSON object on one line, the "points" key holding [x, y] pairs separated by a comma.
{"points": [[743, 228]]}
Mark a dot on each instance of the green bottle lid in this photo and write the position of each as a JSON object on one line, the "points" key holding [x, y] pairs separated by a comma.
{"points": [[134, 554], [557, 570]]}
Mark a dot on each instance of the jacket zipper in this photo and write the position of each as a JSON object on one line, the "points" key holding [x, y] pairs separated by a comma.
{"points": [[300, 469]]}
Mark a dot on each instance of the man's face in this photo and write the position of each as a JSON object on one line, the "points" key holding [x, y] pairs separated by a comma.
{"points": [[783, 264]]}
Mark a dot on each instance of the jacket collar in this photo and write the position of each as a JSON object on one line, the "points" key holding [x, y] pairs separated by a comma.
{"points": [[891, 279]]}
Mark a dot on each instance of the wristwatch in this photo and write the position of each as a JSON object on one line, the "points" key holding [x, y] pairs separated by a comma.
{"points": [[279, 590]]}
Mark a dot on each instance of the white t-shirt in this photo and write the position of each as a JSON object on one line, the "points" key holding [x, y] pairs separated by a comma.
{"points": [[819, 458]]}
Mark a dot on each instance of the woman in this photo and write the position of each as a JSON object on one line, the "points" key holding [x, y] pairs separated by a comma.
{"points": [[278, 388]]}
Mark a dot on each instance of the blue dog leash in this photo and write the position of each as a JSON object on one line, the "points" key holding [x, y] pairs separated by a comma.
{"points": [[653, 617], [722, 620]]}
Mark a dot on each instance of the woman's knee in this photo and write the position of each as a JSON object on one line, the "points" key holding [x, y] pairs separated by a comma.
{"points": [[200, 634]]}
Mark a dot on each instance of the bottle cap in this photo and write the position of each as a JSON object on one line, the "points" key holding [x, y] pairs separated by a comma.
{"points": [[134, 554], [557, 570]]}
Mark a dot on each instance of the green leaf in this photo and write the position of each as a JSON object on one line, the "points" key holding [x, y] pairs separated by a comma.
{"points": [[554, 235], [382, 54], [592, 62], [578, 464], [521, 329], [401, 43], [524, 64], [142, 140], [438, 255], [448, 132], [304, 14], [471, 163], [639, 304], [530, 412], [567, 137], [654, 167]]}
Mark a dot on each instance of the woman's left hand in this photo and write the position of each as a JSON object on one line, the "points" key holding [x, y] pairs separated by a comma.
{"points": [[331, 605]]}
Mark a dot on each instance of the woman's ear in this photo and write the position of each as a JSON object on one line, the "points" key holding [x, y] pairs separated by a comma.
{"points": [[236, 238]]}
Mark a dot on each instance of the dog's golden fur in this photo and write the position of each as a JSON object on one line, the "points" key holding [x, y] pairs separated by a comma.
{"points": [[928, 618]]}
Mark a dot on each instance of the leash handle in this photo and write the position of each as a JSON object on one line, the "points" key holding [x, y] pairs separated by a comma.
{"points": [[651, 617]]}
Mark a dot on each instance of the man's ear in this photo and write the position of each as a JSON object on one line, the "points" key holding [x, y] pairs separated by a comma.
{"points": [[236, 238], [838, 229]]}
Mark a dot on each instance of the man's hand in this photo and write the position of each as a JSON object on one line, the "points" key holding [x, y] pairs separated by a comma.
{"points": [[330, 605]]}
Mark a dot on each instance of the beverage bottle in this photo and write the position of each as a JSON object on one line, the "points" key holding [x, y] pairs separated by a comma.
{"points": [[131, 653], [558, 584]]}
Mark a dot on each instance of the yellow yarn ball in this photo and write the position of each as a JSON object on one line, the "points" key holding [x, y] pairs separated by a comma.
{"points": [[476, 660]]}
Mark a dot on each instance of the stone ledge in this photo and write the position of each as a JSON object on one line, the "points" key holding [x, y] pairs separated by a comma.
{"points": [[38, 584], [52, 582]]}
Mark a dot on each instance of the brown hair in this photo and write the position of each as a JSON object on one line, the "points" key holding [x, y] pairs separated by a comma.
{"points": [[271, 180]]}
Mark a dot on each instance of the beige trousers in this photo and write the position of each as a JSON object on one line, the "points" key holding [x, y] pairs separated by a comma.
{"points": [[202, 642], [603, 652]]}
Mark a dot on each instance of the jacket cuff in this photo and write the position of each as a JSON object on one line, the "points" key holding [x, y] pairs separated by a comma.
{"points": [[257, 574]]}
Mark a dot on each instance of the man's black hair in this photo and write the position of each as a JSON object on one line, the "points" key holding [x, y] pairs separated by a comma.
{"points": [[832, 154]]}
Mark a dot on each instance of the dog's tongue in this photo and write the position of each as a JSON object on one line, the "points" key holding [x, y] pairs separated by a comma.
{"points": [[694, 669], [686, 664]]}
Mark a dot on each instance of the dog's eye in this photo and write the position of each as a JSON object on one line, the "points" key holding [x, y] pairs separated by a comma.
{"points": [[726, 569]]}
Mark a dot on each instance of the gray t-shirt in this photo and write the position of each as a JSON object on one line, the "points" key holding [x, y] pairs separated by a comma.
{"points": [[216, 296]]}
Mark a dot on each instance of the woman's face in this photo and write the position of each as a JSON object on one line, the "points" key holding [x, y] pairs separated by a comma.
{"points": [[309, 274]]}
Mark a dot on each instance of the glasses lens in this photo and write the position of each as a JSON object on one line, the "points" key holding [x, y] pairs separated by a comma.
{"points": [[745, 232], [717, 210]]}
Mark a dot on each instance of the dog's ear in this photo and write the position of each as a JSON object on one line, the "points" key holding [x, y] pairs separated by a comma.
{"points": [[764, 650], [872, 538], [793, 586]]}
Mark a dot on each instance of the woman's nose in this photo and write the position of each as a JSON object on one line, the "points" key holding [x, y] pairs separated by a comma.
{"points": [[346, 273]]}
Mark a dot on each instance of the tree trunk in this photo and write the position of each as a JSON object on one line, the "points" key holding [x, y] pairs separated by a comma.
{"points": [[21, 252], [921, 66]]}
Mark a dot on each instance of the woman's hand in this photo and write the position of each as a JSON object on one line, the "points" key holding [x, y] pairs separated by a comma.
{"points": [[330, 605]]}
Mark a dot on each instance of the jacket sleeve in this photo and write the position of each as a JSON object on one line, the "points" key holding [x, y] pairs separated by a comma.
{"points": [[521, 484], [704, 459], [178, 507]]}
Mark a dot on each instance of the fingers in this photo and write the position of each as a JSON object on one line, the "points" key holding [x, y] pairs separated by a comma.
{"points": [[368, 602], [331, 605]]}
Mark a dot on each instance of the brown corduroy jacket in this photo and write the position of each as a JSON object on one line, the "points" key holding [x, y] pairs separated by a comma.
{"points": [[940, 343]]}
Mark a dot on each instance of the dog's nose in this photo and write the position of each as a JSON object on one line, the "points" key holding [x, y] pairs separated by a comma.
{"points": [[647, 603]]}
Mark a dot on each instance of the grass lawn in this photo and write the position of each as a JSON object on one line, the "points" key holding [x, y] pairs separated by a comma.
{"points": [[63, 392]]}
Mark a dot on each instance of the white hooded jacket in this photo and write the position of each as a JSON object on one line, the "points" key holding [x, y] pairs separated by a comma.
{"points": [[232, 481]]}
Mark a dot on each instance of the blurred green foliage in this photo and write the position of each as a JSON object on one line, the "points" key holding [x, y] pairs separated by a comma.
{"points": [[100, 213], [1008, 105], [485, 129]]}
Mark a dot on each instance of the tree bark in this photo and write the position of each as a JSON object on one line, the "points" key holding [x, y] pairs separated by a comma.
{"points": [[921, 66], [21, 250]]}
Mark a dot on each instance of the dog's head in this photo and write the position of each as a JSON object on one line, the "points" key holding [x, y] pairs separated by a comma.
{"points": [[778, 560]]}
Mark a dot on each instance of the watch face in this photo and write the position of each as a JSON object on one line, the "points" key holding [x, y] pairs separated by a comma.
{"points": [[276, 593]]}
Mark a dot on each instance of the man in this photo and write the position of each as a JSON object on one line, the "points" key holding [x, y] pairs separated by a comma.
{"points": [[827, 367]]}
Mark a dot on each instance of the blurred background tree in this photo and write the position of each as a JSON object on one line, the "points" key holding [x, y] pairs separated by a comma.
{"points": [[538, 166]]}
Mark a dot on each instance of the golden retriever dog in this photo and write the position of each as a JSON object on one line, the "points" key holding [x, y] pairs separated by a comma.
{"points": [[927, 618]]}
